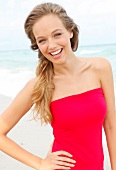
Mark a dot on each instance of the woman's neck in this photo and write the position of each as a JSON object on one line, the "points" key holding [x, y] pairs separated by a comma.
{"points": [[67, 68]]}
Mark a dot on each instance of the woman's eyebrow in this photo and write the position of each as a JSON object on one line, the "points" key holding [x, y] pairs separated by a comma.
{"points": [[56, 30], [39, 37]]}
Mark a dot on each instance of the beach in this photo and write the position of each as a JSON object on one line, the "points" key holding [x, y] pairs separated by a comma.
{"points": [[29, 134]]}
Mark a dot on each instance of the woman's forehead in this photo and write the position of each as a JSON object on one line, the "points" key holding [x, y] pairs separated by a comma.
{"points": [[48, 23]]}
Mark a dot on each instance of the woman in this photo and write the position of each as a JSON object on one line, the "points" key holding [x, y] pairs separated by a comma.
{"points": [[75, 95]]}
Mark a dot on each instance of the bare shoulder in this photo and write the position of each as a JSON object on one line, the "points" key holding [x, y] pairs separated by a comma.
{"points": [[29, 86], [31, 83], [100, 64], [96, 64], [23, 98], [103, 69], [26, 92]]}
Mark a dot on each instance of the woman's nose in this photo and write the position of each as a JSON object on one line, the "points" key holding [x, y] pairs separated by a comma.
{"points": [[51, 44]]}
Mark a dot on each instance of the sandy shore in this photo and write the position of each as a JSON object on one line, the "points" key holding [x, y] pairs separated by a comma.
{"points": [[33, 137]]}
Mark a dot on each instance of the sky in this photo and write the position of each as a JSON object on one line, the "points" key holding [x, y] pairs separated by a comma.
{"points": [[96, 20]]}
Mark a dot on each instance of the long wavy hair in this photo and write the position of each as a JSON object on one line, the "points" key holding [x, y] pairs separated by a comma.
{"points": [[44, 88]]}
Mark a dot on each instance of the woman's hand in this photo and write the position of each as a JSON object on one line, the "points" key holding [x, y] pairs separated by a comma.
{"points": [[57, 160]]}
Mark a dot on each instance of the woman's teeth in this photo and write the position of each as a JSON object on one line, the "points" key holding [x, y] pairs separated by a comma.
{"points": [[56, 52]]}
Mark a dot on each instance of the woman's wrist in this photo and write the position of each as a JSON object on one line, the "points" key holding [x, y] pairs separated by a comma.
{"points": [[37, 163]]}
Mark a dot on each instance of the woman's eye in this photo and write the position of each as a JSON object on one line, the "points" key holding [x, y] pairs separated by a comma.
{"points": [[41, 41], [58, 34]]}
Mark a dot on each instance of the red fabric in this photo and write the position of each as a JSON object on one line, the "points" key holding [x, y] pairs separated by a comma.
{"points": [[77, 128]]}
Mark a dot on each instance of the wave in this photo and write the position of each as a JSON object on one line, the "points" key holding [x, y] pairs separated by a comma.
{"points": [[89, 51], [11, 81]]}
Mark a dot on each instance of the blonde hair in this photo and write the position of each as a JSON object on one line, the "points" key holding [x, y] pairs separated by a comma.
{"points": [[44, 88]]}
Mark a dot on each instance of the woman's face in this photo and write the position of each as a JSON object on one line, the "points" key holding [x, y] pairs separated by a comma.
{"points": [[52, 38]]}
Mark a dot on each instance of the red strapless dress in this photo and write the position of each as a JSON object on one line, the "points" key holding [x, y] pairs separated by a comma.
{"points": [[77, 128]]}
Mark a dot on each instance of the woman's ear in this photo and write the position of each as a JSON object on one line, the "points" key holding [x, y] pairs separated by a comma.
{"points": [[71, 34]]}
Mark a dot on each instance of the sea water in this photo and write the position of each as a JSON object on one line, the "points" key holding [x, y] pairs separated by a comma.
{"points": [[18, 67]]}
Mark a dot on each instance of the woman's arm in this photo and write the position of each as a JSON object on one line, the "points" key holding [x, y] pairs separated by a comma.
{"points": [[9, 118], [107, 83]]}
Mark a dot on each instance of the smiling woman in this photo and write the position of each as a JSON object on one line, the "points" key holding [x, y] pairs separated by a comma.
{"points": [[75, 95], [55, 41]]}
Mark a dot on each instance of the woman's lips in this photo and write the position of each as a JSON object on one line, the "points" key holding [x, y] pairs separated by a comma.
{"points": [[57, 53]]}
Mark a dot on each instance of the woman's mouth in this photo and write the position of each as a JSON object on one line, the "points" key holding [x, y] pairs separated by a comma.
{"points": [[56, 54]]}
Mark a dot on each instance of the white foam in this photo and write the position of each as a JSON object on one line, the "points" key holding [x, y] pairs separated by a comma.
{"points": [[89, 52], [12, 82]]}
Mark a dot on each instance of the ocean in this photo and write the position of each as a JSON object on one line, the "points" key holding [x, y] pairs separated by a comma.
{"points": [[18, 66]]}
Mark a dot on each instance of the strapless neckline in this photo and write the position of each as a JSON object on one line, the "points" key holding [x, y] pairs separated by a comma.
{"points": [[78, 94]]}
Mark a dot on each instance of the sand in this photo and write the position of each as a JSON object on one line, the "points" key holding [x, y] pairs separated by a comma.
{"points": [[32, 137]]}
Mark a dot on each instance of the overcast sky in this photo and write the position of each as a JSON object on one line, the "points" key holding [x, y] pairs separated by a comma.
{"points": [[96, 19]]}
